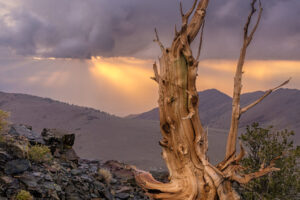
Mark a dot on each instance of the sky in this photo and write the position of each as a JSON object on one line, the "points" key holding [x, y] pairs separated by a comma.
{"points": [[99, 53]]}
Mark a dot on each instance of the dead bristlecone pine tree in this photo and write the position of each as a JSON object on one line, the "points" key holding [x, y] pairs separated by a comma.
{"points": [[184, 141]]}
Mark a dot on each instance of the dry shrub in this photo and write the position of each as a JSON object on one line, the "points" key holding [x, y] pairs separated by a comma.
{"points": [[24, 195], [105, 175], [40, 153]]}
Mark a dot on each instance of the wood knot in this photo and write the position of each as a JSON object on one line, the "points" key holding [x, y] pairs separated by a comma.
{"points": [[164, 142], [194, 100], [206, 188], [170, 100], [166, 127], [191, 62], [201, 141], [201, 12], [171, 123], [182, 149]]}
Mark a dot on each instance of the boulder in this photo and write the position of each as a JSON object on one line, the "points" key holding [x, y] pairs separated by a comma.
{"points": [[7, 180], [60, 143], [58, 137], [26, 131], [122, 196], [17, 146], [29, 180], [4, 158], [17, 166]]}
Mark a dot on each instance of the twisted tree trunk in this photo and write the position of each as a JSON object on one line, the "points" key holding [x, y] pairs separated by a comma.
{"points": [[184, 141]]}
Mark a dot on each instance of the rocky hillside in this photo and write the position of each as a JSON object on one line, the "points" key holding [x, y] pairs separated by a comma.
{"points": [[47, 167]]}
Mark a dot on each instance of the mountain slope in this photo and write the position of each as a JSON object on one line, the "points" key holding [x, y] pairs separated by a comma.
{"points": [[99, 134], [135, 140], [280, 109], [212, 99]]}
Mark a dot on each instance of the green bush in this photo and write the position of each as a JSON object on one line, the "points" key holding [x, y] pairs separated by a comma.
{"points": [[265, 145], [24, 195], [39, 153], [2, 138], [3, 119]]}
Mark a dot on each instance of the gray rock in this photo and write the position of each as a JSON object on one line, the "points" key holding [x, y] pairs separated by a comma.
{"points": [[49, 185], [98, 185], [39, 174], [7, 180], [4, 158], [29, 180], [8, 185], [60, 143], [17, 146], [57, 188], [17, 166], [25, 130], [86, 178], [123, 195], [48, 177], [70, 155], [75, 172], [62, 137]]}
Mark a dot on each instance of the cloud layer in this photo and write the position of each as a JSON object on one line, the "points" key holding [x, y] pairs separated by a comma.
{"points": [[85, 28], [122, 85]]}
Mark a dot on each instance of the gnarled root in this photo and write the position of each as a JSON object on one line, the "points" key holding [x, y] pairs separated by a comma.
{"points": [[207, 183], [177, 189]]}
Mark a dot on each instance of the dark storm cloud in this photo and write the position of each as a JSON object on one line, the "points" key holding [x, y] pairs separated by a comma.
{"points": [[278, 36], [84, 28]]}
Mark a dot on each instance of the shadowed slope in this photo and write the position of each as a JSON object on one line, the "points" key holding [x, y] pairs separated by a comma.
{"points": [[281, 109]]}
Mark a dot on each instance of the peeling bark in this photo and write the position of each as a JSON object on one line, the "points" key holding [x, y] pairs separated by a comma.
{"points": [[184, 142]]}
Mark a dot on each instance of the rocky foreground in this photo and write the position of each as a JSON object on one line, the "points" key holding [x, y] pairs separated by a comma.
{"points": [[57, 172]]}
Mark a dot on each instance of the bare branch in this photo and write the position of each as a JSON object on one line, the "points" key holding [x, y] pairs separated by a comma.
{"points": [[267, 93], [232, 159], [176, 32], [156, 75], [232, 136], [158, 41], [248, 177], [201, 40], [188, 14], [241, 154], [197, 20], [189, 30], [256, 25], [246, 27], [181, 9], [244, 179]]}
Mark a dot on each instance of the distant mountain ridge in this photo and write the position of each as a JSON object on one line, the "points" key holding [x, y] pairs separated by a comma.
{"points": [[99, 134], [45, 112], [280, 109], [134, 140]]}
